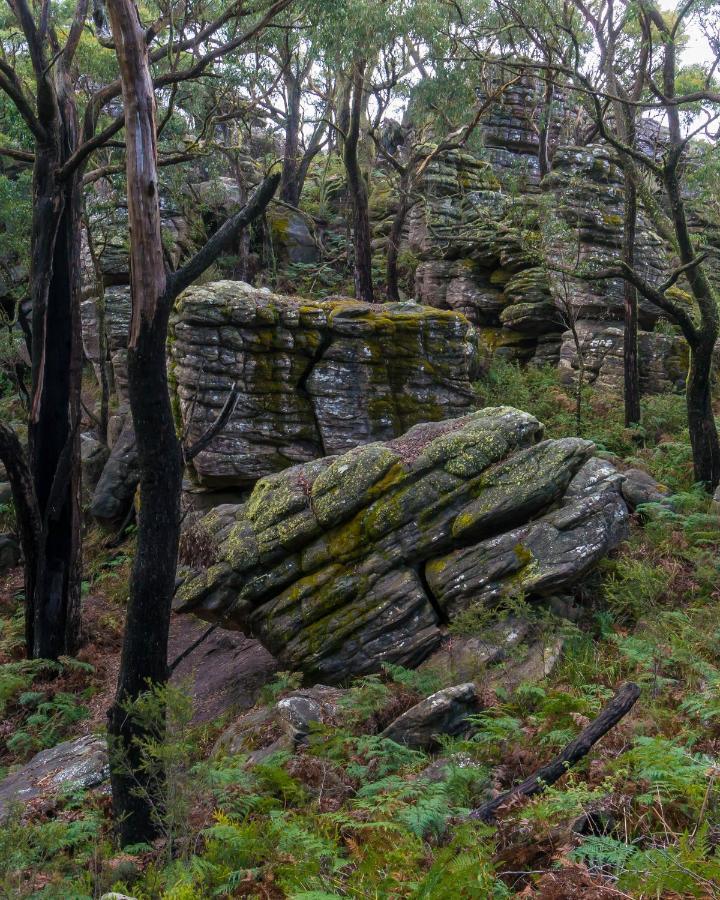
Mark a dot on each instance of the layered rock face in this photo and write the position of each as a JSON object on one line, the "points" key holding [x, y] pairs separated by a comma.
{"points": [[314, 378], [349, 561], [486, 248]]}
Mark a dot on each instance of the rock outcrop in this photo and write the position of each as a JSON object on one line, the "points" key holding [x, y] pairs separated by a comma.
{"points": [[350, 561], [80, 764], [314, 377], [485, 247]]}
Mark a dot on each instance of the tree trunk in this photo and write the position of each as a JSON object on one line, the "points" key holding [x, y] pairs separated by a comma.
{"points": [[630, 352], [144, 653], [53, 432], [357, 190], [545, 125], [701, 419], [393, 243], [290, 182], [143, 664]]}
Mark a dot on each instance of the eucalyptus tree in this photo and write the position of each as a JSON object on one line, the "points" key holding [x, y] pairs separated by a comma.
{"points": [[70, 110], [376, 50], [144, 656]]}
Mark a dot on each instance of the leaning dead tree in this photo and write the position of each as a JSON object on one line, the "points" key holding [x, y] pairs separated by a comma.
{"points": [[611, 714]]}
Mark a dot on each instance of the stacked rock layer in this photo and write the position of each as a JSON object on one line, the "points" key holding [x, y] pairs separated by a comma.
{"points": [[314, 378], [350, 561]]}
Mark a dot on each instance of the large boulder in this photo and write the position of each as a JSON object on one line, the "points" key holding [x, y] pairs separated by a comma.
{"points": [[315, 377], [350, 561]]}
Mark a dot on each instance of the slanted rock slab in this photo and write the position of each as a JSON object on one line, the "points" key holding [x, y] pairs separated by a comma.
{"points": [[347, 562]]}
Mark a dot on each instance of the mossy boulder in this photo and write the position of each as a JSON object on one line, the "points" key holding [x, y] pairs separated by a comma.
{"points": [[350, 561], [315, 378]]}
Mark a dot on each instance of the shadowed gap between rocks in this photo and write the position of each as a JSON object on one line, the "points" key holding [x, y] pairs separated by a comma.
{"points": [[302, 388]]}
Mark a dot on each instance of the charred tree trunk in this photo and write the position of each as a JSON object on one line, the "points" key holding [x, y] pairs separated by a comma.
{"points": [[357, 190], [53, 588], [701, 418], [144, 655]]}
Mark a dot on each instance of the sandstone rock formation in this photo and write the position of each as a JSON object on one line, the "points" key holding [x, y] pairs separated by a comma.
{"points": [[347, 562], [481, 234], [314, 377]]}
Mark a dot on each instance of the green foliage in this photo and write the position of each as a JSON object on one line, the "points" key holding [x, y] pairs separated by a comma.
{"points": [[58, 850], [366, 697], [282, 683], [668, 769], [632, 588], [420, 682], [50, 719]]}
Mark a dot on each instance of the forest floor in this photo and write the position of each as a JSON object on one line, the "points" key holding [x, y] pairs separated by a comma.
{"points": [[352, 814]]}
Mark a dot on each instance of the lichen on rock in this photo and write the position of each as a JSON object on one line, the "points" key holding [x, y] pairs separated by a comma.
{"points": [[353, 560], [315, 377]]}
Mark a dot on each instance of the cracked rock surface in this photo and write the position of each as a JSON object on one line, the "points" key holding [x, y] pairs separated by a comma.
{"points": [[314, 377], [346, 562]]}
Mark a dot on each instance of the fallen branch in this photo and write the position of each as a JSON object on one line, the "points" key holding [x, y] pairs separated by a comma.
{"points": [[611, 714]]}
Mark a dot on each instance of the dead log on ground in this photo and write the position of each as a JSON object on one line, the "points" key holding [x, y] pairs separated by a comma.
{"points": [[621, 704]]}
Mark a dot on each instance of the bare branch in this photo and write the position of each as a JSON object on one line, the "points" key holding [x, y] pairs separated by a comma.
{"points": [[223, 237], [189, 453]]}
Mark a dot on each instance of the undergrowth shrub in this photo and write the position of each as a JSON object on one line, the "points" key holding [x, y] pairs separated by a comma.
{"points": [[632, 588]]}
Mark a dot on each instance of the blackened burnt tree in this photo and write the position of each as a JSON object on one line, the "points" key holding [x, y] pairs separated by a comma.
{"points": [[144, 654]]}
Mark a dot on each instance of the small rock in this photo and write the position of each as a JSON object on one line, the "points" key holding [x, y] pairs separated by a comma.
{"points": [[639, 487], [444, 712], [267, 730], [113, 895], [80, 764], [296, 715], [250, 731], [297, 712], [464, 658], [9, 553], [539, 662]]}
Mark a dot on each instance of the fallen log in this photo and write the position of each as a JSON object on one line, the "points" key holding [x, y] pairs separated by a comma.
{"points": [[621, 704]]}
